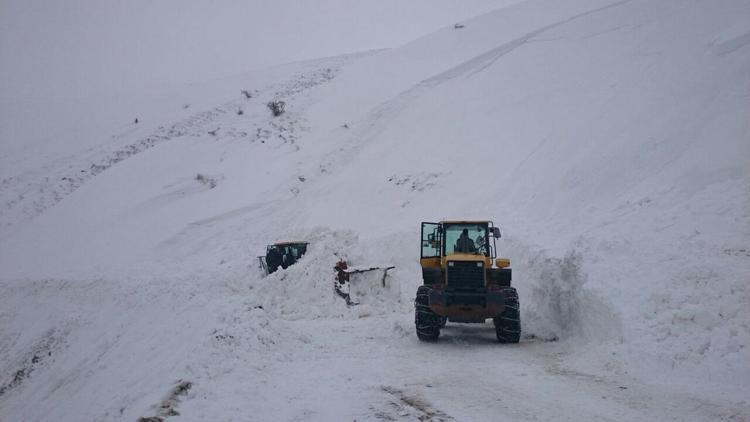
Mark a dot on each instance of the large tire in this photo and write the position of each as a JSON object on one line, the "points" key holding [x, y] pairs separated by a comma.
{"points": [[508, 324], [427, 322]]}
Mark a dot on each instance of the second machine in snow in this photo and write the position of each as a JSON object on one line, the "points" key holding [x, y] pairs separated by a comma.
{"points": [[282, 254]]}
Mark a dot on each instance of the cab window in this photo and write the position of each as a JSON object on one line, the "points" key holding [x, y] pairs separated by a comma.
{"points": [[466, 238], [430, 240]]}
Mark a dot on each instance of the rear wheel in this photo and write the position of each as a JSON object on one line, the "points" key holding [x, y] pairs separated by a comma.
{"points": [[427, 322], [508, 324]]}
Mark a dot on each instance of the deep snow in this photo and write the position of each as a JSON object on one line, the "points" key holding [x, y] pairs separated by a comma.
{"points": [[608, 140]]}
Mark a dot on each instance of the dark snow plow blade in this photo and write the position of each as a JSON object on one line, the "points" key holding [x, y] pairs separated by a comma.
{"points": [[474, 306], [342, 284]]}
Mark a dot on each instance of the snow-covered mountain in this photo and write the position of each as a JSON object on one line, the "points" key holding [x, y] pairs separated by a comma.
{"points": [[610, 141]]}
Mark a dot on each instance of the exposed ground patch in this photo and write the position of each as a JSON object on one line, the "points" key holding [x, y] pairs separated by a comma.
{"points": [[168, 406], [38, 356], [402, 405]]}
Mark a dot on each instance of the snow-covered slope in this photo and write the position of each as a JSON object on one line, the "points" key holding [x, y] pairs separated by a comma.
{"points": [[609, 140]]}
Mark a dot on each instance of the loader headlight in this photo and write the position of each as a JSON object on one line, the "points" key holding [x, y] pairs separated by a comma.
{"points": [[451, 263], [479, 264]]}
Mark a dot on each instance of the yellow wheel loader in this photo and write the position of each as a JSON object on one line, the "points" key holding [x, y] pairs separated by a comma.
{"points": [[463, 281]]}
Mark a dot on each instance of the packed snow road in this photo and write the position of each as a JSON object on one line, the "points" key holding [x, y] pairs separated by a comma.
{"points": [[251, 356], [376, 369]]}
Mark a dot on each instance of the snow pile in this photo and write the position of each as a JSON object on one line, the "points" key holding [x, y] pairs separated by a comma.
{"points": [[556, 301], [305, 290], [252, 329], [702, 318]]}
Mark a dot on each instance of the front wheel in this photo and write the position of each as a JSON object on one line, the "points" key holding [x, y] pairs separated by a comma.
{"points": [[427, 322], [508, 324]]}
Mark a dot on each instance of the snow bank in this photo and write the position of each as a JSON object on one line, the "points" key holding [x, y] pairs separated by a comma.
{"points": [[556, 303], [306, 290]]}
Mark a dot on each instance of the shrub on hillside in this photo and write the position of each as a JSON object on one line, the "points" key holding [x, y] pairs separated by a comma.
{"points": [[206, 180], [276, 107]]}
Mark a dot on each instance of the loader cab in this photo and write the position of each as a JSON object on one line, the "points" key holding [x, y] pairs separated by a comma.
{"points": [[463, 282], [282, 254], [440, 240]]}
